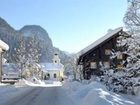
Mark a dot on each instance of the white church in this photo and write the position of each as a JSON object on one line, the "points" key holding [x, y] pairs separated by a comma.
{"points": [[53, 71]]}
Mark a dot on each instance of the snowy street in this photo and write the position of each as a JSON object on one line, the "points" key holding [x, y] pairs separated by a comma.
{"points": [[70, 93], [41, 96]]}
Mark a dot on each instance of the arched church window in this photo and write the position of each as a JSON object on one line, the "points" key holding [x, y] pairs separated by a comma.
{"points": [[55, 75]]}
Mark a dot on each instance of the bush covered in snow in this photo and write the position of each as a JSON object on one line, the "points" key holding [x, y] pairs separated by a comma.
{"points": [[126, 79]]}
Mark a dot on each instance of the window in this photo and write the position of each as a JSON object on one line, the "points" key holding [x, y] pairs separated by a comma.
{"points": [[48, 75], [106, 64], [54, 75], [119, 66], [107, 51], [93, 65], [119, 56]]}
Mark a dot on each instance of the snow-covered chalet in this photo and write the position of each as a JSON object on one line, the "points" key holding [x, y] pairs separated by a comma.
{"points": [[53, 71], [89, 59]]}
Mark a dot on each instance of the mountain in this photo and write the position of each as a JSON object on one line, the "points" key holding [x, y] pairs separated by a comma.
{"points": [[47, 48], [12, 38], [35, 30]]}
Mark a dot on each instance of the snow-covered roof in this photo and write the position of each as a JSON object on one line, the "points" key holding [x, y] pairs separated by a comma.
{"points": [[51, 67], [3, 45], [99, 41]]}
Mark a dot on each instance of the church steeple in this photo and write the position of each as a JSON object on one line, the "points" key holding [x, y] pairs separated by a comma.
{"points": [[56, 59]]}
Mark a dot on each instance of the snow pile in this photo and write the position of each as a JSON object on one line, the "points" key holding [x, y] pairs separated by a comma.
{"points": [[29, 82], [94, 94], [37, 82], [3, 84], [102, 97], [21, 83]]}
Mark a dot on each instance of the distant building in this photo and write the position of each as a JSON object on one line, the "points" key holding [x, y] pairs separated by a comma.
{"points": [[10, 68], [99, 52], [10, 73], [54, 70]]}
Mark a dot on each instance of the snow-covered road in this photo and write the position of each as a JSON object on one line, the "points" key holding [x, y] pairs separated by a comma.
{"points": [[70, 93], [42, 96]]}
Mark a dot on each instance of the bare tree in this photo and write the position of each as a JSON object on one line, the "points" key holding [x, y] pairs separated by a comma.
{"points": [[33, 54], [27, 55], [19, 55], [132, 16]]}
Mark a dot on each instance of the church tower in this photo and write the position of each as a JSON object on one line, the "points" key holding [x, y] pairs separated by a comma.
{"points": [[56, 59]]}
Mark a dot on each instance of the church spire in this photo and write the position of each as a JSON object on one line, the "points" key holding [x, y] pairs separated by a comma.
{"points": [[56, 59]]}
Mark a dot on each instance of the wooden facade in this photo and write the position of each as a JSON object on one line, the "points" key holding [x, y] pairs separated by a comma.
{"points": [[92, 58]]}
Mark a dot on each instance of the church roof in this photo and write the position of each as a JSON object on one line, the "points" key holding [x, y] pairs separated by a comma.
{"points": [[51, 67]]}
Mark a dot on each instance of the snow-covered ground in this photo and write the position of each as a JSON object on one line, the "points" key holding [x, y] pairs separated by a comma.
{"points": [[84, 93], [96, 94], [43, 83], [8, 91]]}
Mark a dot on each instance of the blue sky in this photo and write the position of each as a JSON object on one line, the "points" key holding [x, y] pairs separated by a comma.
{"points": [[72, 24]]}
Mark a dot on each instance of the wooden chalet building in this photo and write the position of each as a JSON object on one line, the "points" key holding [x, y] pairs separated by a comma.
{"points": [[98, 53]]}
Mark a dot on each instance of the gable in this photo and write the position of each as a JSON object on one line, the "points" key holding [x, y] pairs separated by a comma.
{"points": [[103, 39]]}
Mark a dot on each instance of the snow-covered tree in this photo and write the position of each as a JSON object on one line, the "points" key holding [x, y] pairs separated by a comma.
{"points": [[127, 78], [27, 55], [72, 70], [132, 69], [33, 53], [20, 54], [132, 16]]}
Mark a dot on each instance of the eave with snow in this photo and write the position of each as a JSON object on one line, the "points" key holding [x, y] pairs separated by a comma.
{"points": [[3, 46], [90, 58], [102, 40]]}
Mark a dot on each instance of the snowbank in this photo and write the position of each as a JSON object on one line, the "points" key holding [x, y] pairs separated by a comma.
{"points": [[3, 84], [101, 97], [37, 82], [94, 94]]}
